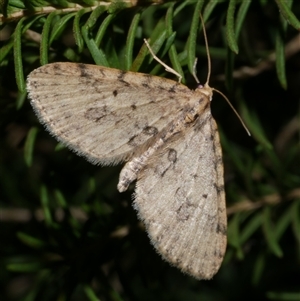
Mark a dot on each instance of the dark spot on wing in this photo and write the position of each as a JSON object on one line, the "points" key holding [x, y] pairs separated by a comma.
{"points": [[159, 237], [219, 161], [182, 214], [218, 253], [189, 270], [33, 84], [131, 141], [147, 81], [221, 228], [115, 93], [121, 77], [178, 261], [127, 84], [150, 130], [97, 87], [56, 68], [82, 68], [172, 155], [204, 196], [213, 133], [219, 188], [202, 121], [181, 194], [102, 72], [161, 88], [161, 170], [173, 89], [133, 107], [138, 124], [95, 114], [136, 140], [118, 121], [185, 211]]}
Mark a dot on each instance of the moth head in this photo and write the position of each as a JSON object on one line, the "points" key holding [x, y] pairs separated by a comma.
{"points": [[206, 90]]}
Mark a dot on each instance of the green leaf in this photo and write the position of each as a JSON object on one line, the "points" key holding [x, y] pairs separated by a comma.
{"points": [[258, 268], [3, 7], [256, 129], [29, 145], [93, 18], [242, 12], [44, 48], [158, 36], [192, 40], [61, 201], [5, 50], [282, 223], [90, 293], [230, 32], [44, 198], [280, 58], [63, 3], [169, 41], [176, 65], [114, 57], [130, 41], [18, 57], [295, 212], [24, 267], [234, 235], [210, 6], [77, 28], [287, 13], [60, 26], [102, 29], [21, 99], [30, 240], [156, 45], [251, 227], [17, 44], [98, 55], [269, 231], [283, 296]]}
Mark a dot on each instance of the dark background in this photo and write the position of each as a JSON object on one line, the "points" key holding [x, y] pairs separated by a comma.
{"points": [[66, 232]]}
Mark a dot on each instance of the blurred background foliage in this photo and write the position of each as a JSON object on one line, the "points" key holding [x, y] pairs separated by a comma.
{"points": [[66, 232]]}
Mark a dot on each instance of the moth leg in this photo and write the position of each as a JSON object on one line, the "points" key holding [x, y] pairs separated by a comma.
{"points": [[167, 68]]}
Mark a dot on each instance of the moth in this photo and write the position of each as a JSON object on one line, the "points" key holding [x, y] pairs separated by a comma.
{"points": [[169, 140]]}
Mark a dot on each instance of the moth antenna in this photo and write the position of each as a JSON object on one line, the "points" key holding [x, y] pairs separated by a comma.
{"points": [[207, 51], [234, 110], [208, 77]]}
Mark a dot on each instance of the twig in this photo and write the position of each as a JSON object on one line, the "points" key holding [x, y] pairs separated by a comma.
{"points": [[23, 215], [272, 199], [244, 72]]}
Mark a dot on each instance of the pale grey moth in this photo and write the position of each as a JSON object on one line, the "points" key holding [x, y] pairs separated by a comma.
{"points": [[169, 139]]}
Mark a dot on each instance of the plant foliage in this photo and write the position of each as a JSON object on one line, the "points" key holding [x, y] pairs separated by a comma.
{"points": [[67, 234]]}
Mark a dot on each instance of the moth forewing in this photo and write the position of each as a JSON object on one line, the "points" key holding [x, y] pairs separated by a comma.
{"points": [[169, 139], [180, 197], [104, 114]]}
